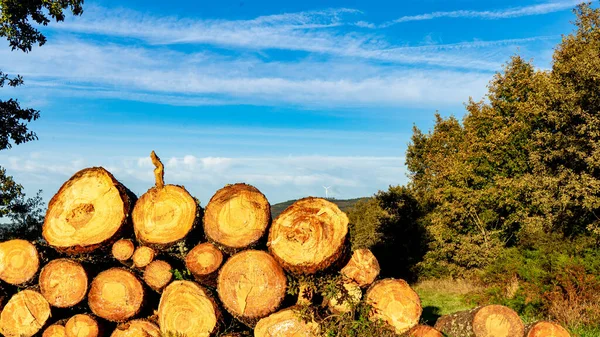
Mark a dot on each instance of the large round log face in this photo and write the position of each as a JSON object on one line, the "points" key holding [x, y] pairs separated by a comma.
{"points": [[137, 328], [186, 308], [24, 315], [116, 295], [237, 216], [251, 285], [82, 326], [143, 256], [123, 249], [363, 268], [19, 261], [285, 323], [497, 321], [308, 236], [395, 303], [63, 283], [203, 261], [546, 329], [158, 274], [88, 210]]}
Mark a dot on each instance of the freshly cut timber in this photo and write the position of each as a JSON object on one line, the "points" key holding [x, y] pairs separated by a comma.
{"points": [[486, 321], [82, 325], [55, 330], [123, 249], [394, 302], [19, 261], [116, 295], [63, 283], [308, 236], [346, 299], [186, 308], [88, 211], [251, 285], [362, 268], [286, 323], [545, 329], [143, 256], [165, 214], [24, 314], [203, 261], [237, 216], [424, 331], [137, 328], [158, 274]]}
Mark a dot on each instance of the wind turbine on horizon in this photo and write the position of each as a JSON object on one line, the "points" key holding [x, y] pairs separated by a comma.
{"points": [[326, 191]]}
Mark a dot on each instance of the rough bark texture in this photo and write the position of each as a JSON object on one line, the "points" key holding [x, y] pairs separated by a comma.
{"points": [[285, 323], [90, 210], [545, 329], [82, 325], [116, 295], [63, 282], [186, 308], [486, 321], [363, 268], [236, 217], [137, 328], [123, 249], [157, 275], [19, 261], [251, 285], [308, 236], [143, 256], [395, 303], [24, 315], [203, 261], [423, 331]]}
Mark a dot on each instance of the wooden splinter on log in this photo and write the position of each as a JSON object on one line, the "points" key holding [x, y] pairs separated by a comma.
{"points": [[394, 302], [157, 275], [545, 329], [165, 214], [63, 283], [486, 321], [82, 325], [143, 256], [123, 249], [116, 295], [203, 261], [186, 308], [346, 299], [236, 217], [308, 236], [55, 330], [24, 314], [362, 268], [87, 212], [19, 261], [286, 323], [424, 331], [137, 328], [251, 285]]}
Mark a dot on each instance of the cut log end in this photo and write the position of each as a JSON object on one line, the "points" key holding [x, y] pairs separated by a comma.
{"points": [[116, 295], [164, 216], [55, 330], [424, 331], [308, 236], [137, 328], [24, 314], [203, 261], [497, 320], [82, 325], [63, 283], [395, 303], [251, 285], [143, 256], [93, 218], [346, 299], [546, 329], [363, 268], [286, 323], [157, 275], [19, 261], [237, 216], [123, 249], [186, 308]]}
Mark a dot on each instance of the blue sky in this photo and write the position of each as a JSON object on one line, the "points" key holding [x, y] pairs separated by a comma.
{"points": [[285, 96]]}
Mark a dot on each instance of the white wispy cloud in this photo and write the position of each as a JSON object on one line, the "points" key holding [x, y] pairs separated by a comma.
{"points": [[514, 12]]}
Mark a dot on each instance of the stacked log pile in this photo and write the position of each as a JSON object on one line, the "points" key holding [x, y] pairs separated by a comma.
{"points": [[160, 265]]}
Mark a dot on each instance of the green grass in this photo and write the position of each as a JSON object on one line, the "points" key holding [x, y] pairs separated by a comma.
{"points": [[442, 297], [585, 331]]}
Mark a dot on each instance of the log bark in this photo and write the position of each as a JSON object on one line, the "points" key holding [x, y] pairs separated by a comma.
{"points": [[19, 261], [82, 325], [63, 282], [423, 331], [90, 210], [486, 321], [143, 256], [236, 217], [251, 285], [363, 268], [165, 214], [123, 249], [203, 261], [308, 236], [394, 302], [24, 315], [116, 295], [157, 275], [137, 328], [545, 329], [286, 323], [346, 299], [187, 308], [55, 330]]}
